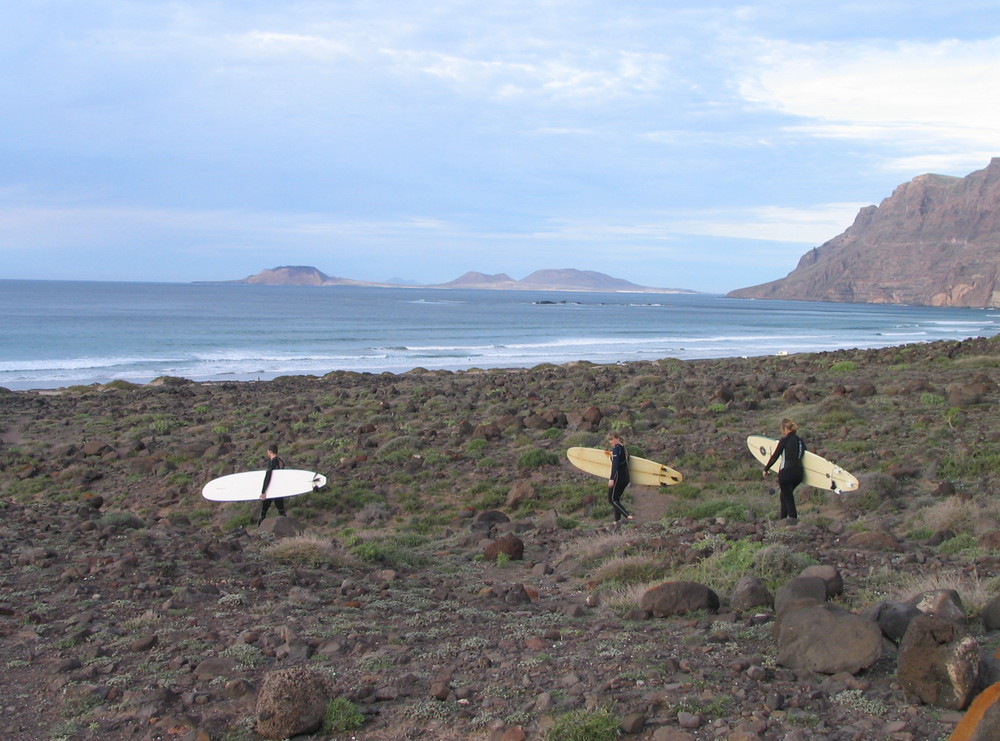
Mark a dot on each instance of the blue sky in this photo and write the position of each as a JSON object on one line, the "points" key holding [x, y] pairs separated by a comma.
{"points": [[692, 144]]}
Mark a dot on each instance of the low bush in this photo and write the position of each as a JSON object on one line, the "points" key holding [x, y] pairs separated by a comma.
{"points": [[302, 550], [342, 715], [584, 725], [536, 458]]}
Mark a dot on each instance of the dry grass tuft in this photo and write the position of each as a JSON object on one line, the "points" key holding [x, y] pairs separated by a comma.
{"points": [[974, 591], [959, 516], [304, 550], [625, 598], [624, 570], [590, 551]]}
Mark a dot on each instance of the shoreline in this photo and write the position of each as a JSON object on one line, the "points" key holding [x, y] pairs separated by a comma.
{"points": [[264, 377], [137, 335]]}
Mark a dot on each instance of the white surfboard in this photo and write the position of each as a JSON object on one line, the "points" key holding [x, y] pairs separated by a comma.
{"points": [[245, 487], [819, 472]]}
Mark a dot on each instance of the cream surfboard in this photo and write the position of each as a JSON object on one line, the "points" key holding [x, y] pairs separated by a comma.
{"points": [[819, 472], [640, 471], [244, 487]]}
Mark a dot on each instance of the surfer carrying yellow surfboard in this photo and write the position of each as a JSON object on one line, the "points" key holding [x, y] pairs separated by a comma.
{"points": [[790, 449], [619, 476]]}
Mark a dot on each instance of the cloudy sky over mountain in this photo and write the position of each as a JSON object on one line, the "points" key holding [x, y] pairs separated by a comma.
{"points": [[692, 144]]}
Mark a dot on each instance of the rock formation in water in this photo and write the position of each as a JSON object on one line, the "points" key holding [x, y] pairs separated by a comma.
{"points": [[935, 241]]}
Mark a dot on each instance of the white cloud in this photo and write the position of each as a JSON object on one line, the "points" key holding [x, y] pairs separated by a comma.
{"points": [[774, 223], [574, 76], [915, 98], [276, 44]]}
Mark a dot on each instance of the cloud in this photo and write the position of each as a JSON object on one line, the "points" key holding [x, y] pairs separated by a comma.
{"points": [[910, 97], [593, 77]]}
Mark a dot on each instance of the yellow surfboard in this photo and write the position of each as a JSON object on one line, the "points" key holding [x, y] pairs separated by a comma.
{"points": [[640, 470], [819, 472]]}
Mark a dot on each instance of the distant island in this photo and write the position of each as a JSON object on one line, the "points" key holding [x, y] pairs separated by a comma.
{"points": [[567, 279]]}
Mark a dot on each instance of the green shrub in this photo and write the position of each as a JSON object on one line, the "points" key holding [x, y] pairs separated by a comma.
{"points": [[584, 725], [729, 562], [491, 498], [475, 447], [400, 449], [121, 385], [684, 490], [844, 366], [958, 544], [342, 715], [536, 458], [121, 520], [981, 461], [777, 563], [244, 520], [392, 551], [929, 399]]}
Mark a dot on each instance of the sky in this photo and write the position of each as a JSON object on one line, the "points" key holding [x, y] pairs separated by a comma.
{"points": [[698, 144]]}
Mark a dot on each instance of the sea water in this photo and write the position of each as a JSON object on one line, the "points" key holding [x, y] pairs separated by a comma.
{"points": [[55, 334]]}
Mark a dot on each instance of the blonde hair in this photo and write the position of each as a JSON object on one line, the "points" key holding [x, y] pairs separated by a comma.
{"points": [[787, 424], [615, 436]]}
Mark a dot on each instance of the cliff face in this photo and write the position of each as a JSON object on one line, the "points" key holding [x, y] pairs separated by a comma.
{"points": [[935, 241]]}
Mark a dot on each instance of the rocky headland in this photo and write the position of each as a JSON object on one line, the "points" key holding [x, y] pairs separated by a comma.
{"points": [[935, 241], [458, 579]]}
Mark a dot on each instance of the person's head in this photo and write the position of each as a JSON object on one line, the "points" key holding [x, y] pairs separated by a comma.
{"points": [[615, 439], [272, 450], [788, 427]]}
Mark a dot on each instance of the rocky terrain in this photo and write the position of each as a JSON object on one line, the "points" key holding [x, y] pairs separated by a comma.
{"points": [[457, 579], [935, 241]]}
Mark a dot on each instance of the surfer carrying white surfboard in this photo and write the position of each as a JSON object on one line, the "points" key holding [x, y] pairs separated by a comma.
{"points": [[273, 463], [619, 476], [790, 449]]}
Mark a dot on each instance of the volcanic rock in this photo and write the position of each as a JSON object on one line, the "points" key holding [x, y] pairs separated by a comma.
{"points": [[935, 241], [828, 639], [938, 663]]}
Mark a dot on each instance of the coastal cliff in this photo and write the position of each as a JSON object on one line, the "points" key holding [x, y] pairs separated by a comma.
{"points": [[935, 241]]}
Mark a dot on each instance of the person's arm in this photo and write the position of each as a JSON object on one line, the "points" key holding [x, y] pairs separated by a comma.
{"points": [[616, 454], [267, 478], [778, 450]]}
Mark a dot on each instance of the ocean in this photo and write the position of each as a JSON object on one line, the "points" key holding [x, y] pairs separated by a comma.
{"points": [[55, 334]]}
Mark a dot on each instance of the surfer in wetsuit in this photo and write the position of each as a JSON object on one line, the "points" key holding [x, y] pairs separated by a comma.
{"points": [[791, 447], [619, 476], [273, 463]]}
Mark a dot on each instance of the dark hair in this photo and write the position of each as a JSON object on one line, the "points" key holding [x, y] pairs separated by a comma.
{"points": [[273, 448]]}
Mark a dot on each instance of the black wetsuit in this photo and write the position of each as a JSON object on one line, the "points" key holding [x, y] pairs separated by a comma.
{"points": [[619, 480], [272, 464], [791, 473]]}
